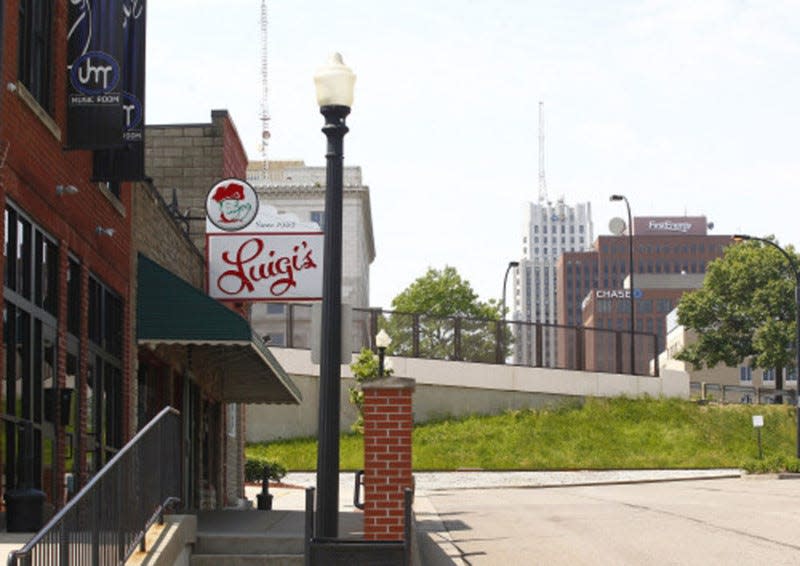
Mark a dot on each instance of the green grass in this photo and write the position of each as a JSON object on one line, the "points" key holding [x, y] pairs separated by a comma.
{"points": [[600, 434]]}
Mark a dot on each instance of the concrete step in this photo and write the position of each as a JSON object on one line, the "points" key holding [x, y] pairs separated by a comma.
{"points": [[248, 544], [247, 559]]}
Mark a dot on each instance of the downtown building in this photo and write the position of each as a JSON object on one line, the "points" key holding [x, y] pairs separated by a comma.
{"points": [[550, 230], [297, 191], [670, 257], [105, 321]]}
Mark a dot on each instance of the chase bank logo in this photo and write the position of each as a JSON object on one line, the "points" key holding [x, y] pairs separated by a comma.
{"points": [[94, 73]]}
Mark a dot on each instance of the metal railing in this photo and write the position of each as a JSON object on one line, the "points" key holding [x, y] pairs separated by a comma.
{"points": [[533, 344], [106, 520], [741, 394]]}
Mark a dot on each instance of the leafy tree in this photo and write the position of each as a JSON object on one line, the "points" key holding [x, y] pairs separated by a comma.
{"points": [[746, 308], [451, 320]]}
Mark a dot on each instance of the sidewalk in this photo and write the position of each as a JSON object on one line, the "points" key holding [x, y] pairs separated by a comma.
{"points": [[433, 537]]}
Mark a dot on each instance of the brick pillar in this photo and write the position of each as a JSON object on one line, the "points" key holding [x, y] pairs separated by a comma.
{"points": [[388, 422]]}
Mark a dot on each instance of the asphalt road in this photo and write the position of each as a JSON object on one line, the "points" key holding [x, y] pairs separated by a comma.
{"points": [[742, 521]]}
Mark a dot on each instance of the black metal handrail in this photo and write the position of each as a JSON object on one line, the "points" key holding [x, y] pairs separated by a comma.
{"points": [[106, 520], [469, 339]]}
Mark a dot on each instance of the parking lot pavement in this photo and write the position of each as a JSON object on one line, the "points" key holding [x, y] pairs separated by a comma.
{"points": [[749, 520], [477, 517]]}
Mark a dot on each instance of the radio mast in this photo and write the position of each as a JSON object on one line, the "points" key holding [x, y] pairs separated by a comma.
{"points": [[265, 135], [542, 182]]}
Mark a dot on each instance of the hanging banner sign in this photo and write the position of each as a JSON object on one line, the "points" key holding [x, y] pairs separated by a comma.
{"points": [[256, 254], [127, 162], [94, 86]]}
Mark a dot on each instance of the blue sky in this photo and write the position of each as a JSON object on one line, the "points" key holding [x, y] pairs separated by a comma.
{"points": [[682, 106]]}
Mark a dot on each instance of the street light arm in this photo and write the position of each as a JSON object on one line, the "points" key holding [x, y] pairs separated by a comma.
{"points": [[511, 264], [792, 261]]}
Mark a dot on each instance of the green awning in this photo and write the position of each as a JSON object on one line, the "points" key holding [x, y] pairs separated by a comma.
{"points": [[171, 312]]}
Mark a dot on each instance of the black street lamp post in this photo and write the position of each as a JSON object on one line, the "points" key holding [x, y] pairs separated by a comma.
{"points": [[501, 355], [779, 378], [630, 275], [334, 85]]}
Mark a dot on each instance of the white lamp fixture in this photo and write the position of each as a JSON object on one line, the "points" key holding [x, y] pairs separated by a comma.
{"points": [[334, 83], [66, 190], [105, 231], [382, 340]]}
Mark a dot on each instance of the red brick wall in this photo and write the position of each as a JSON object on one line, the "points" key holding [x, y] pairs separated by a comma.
{"points": [[36, 163], [388, 423], [234, 157]]}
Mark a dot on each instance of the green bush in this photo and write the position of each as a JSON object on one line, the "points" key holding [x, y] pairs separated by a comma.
{"points": [[254, 470], [774, 464]]}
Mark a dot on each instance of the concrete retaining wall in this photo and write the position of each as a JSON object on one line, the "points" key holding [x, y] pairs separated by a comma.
{"points": [[453, 389]]}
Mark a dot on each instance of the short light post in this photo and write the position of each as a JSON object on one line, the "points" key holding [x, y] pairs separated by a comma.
{"points": [[501, 350], [779, 378], [382, 341], [630, 275], [334, 85]]}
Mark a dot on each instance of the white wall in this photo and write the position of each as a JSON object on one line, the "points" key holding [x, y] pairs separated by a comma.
{"points": [[453, 389]]}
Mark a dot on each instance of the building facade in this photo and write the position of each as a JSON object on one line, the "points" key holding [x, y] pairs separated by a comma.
{"points": [[77, 288], [670, 256], [745, 384], [66, 288], [294, 188], [549, 231]]}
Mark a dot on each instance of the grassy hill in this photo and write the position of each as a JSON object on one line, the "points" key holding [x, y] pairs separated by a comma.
{"points": [[599, 434]]}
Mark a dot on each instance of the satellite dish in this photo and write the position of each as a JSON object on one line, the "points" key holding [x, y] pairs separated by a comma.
{"points": [[710, 225], [616, 225]]}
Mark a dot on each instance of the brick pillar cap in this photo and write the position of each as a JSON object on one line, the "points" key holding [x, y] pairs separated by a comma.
{"points": [[389, 383]]}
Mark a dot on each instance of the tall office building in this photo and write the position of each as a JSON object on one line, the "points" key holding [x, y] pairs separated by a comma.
{"points": [[670, 256], [550, 229]]}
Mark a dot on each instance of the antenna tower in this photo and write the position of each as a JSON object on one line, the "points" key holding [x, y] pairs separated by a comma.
{"points": [[265, 135], [542, 182]]}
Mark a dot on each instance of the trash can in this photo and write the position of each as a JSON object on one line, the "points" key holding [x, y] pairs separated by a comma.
{"points": [[24, 510]]}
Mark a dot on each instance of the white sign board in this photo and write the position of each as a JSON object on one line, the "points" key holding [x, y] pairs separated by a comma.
{"points": [[758, 421], [256, 253], [277, 266]]}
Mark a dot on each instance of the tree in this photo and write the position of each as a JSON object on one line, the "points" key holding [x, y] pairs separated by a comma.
{"points": [[745, 309], [450, 319]]}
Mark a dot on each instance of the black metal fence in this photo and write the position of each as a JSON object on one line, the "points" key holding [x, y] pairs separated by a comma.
{"points": [[106, 521], [532, 344], [743, 394]]}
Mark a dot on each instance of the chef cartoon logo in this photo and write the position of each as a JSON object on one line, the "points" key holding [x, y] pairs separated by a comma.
{"points": [[231, 204]]}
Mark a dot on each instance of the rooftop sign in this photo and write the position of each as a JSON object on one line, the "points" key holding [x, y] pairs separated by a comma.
{"points": [[670, 225]]}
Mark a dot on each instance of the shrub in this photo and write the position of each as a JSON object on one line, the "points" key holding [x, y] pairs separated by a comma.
{"points": [[772, 465], [365, 368], [254, 470]]}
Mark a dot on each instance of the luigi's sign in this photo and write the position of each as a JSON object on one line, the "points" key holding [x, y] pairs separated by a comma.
{"points": [[256, 254]]}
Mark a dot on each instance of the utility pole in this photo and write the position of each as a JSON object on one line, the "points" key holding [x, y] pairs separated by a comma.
{"points": [[265, 135]]}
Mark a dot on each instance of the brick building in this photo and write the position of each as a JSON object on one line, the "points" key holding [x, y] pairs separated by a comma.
{"points": [[67, 272], [185, 160], [670, 255], [92, 273]]}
